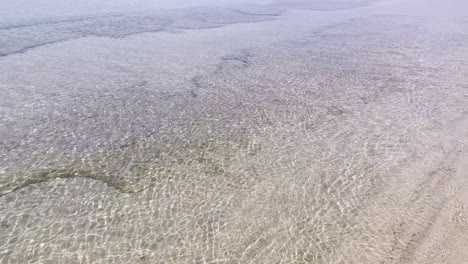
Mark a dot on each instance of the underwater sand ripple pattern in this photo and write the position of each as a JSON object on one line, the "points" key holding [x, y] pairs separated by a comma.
{"points": [[338, 148]]}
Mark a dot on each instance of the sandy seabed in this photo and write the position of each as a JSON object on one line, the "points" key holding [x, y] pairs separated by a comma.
{"points": [[292, 132]]}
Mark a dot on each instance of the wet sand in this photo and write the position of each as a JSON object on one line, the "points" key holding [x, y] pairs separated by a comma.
{"points": [[287, 132]]}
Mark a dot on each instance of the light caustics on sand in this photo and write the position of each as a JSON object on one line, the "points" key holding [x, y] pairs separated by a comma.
{"points": [[283, 132]]}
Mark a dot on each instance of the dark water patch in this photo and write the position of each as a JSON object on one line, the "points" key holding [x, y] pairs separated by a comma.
{"points": [[253, 13], [64, 172], [24, 37], [240, 59], [319, 5], [39, 23], [134, 166]]}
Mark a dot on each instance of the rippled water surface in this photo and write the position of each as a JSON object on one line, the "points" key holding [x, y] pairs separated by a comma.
{"points": [[281, 132]]}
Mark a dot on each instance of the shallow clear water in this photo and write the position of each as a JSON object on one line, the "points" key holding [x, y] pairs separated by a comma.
{"points": [[276, 133]]}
